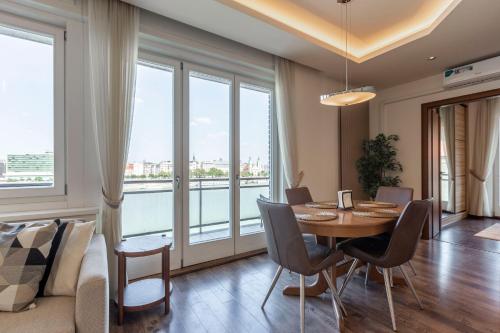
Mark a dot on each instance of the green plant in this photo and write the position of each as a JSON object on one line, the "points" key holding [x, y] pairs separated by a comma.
{"points": [[378, 165]]}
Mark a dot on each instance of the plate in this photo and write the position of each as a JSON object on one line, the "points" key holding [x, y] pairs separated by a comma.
{"points": [[376, 204], [322, 205], [382, 213], [321, 216]]}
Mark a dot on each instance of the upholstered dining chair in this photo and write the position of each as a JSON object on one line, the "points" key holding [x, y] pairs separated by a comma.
{"points": [[300, 196], [287, 248], [393, 251], [400, 196]]}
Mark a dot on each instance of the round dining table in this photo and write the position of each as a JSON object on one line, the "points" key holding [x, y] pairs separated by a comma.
{"points": [[346, 225]]}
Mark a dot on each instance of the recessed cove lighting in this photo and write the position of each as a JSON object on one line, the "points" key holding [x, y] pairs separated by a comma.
{"points": [[431, 58]]}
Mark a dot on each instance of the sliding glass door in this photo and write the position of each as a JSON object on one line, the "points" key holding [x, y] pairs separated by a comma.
{"points": [[208, 197], [202, 150], [254, 136]]}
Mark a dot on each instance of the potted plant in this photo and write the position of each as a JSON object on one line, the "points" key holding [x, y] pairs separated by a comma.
{"points": [[378, 166]]}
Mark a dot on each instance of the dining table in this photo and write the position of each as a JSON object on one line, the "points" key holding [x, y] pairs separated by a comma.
{"points": [[345, 225]]}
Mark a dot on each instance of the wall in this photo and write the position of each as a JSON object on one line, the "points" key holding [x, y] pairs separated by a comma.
{"points": [[317, 133], [397, 110]]}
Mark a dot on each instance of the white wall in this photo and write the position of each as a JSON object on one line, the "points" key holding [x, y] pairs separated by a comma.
{"points": [[397, 110], [317, 133]]}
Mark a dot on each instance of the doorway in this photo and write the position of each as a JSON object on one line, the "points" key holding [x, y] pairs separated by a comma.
{"points": [[439, 163], [203, 148]]}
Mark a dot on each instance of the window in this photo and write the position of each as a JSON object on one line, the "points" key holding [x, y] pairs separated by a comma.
{"points": [[255, 154], [31, 109], [148, 205]]}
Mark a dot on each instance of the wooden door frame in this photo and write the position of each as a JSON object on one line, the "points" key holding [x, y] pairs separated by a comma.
{"points": [[430, 154]]}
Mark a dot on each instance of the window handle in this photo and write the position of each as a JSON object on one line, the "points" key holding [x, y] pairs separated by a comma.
{"points": [[237, 177], [177, 182]]}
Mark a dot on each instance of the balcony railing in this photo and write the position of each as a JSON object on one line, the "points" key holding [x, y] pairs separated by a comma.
{"points": [[200, 189]]}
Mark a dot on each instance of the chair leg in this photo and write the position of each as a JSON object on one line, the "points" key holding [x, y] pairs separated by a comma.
{"points": [[336, 301], [408, 282], [391, 280], [368, 266], [412, 267], [389, 297], [275, 279], [273, 283], [349, 276], [302, 304]]}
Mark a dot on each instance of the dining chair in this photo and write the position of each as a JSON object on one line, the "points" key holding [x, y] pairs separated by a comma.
{"points": [[393, 251], [287, 248], [300, 196], [397, 195]]}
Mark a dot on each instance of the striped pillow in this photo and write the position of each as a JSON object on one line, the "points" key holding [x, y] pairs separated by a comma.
{"points": [[68, 249], [24, 248]]}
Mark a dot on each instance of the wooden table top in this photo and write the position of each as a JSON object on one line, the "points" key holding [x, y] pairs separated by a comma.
{"points": [[346, 224], [142, 245]]}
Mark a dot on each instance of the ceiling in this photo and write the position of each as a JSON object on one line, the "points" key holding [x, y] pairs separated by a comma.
{"points": [[390, 40], [379, 26]]}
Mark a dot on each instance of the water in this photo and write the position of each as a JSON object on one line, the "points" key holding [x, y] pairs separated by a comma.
{"points": [[153, 211]]}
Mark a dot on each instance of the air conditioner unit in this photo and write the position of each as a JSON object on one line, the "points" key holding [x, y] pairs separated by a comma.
{"points": [[478, 71]]}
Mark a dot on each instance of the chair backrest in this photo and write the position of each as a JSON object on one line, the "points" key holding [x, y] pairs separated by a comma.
{"points": [[406, 233], [397, 195], [285, 244], [298, 195]]}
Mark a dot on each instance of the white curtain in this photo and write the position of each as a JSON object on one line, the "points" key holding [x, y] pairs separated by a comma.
{"points": [[113, 30], [284, 81], [483, 156], [447, 115]]}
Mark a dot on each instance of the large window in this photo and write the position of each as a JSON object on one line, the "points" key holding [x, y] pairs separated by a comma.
{"points": [[149, 197], [31, 111]]}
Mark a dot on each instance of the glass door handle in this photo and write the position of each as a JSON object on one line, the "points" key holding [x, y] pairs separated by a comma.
{"points": [[177, 182]]}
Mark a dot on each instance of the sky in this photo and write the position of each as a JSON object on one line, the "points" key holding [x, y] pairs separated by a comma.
{"points": [[209, 119], [26, 110], [26, 97]]}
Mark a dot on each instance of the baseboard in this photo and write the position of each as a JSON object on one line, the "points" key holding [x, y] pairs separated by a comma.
{"points": [[208, 264], [451, 219]]}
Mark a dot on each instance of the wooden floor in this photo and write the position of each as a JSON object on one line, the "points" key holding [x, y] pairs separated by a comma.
{"points": [[458, 280]]}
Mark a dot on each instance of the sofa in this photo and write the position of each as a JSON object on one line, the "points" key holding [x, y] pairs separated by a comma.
{"points": [[87, 312]]}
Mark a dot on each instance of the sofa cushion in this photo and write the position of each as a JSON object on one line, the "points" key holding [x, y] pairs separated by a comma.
{"points": [[24, 248], [68, 249], [52, 314]]}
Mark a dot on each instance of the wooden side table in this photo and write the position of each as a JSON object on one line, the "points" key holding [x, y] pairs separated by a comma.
{"points": [[146, 293]]}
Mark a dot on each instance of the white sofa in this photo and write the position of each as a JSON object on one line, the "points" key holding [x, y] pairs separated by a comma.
{"points": [[88, 312]]}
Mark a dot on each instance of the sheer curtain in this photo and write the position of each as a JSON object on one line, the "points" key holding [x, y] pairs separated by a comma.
{"points": [[447, 115], [483, 156], [113, 30], [284, 81]]}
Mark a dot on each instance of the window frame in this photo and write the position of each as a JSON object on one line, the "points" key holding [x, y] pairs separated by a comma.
{"points": [[57, 33]]}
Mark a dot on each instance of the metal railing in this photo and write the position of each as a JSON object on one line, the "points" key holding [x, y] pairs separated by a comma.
{"points": [[199, 188]]}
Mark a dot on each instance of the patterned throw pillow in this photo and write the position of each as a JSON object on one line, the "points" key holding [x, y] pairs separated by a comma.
{"points": [[63, 265], [24, 248]]}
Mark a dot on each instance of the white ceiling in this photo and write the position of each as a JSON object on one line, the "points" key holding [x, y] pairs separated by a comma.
{"points": [[469, 32]]}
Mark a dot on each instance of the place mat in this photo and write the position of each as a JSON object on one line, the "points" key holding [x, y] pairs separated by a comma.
{"points": [[382, 213], [376, 204], [492, 232], [322, 205], [321, 216]]}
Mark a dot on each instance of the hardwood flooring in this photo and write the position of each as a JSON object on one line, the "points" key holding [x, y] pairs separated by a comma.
{"points": [[458, 281]]}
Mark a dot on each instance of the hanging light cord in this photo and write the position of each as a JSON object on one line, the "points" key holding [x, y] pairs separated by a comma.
{"points": [[346, 64]]}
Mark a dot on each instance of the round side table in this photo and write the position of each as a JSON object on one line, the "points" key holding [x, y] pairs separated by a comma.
{"points": [[145, 293]]}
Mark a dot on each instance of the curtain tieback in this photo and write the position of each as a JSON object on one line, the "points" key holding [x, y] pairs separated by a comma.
{"points": [[474, 174], [115, 204], [299, 179]]}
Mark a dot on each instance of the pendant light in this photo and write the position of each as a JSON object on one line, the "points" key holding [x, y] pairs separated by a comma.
{"points": [[348, 96]]}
